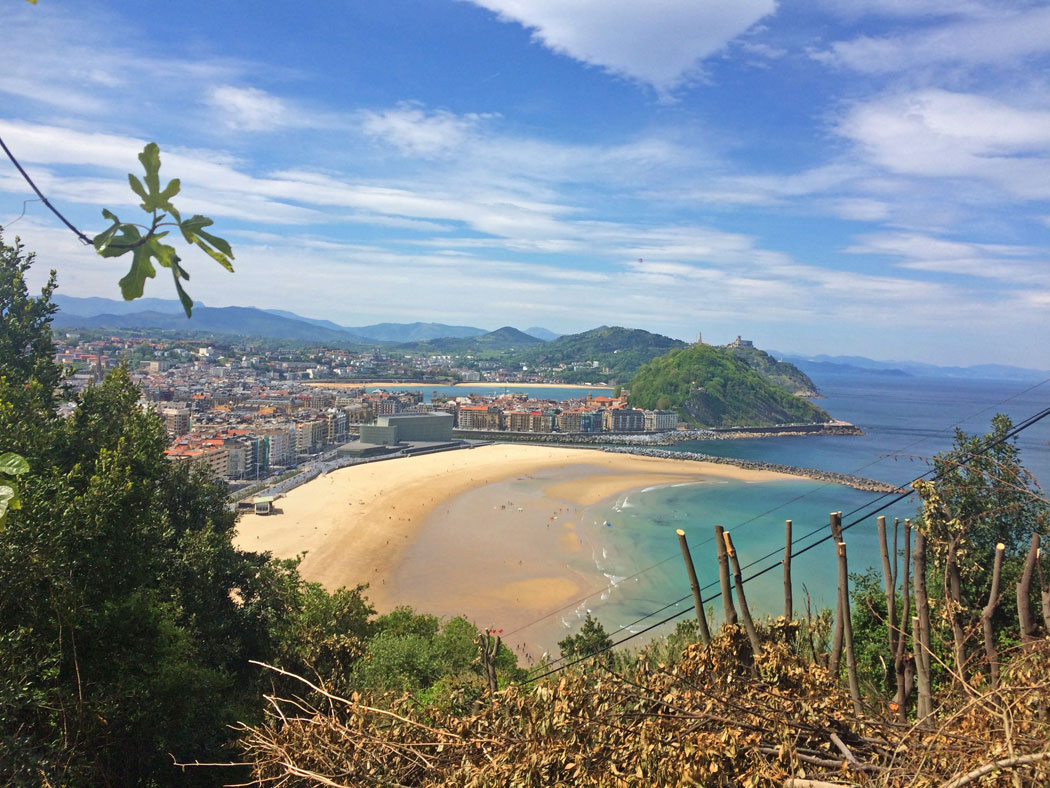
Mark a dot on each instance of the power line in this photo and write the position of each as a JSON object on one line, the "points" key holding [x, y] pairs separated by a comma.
{"points": [[973, 455], [757, 517], [44, 199]]}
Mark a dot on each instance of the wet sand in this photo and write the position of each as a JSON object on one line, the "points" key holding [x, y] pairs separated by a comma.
{"points": [[467, 532]]}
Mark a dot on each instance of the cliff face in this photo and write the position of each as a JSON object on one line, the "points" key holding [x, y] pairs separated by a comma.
{"points": [[711, 387]]}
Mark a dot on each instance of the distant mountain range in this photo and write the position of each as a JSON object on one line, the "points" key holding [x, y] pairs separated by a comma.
{"points": [[167, 315], [859, 365], [619, 352]]}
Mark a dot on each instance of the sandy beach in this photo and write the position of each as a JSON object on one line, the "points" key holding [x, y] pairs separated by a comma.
{"points": [[495, 533]]}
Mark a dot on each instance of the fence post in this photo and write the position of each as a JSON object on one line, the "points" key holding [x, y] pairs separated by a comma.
{"points": [[694, 585], [836, 638], [723, 576], [789, 608], [745, 612]]}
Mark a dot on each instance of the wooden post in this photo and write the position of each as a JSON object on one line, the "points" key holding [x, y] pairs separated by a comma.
{"points": [[922, 629], [1044, 594], [1024, 589], [896, 527], [723, 576], [694, 584], [954, 607], [903, 667], [745, 612], [888, 585], [836, 637], [789, 608], [809, 631], [847, 630], [986, 617]]}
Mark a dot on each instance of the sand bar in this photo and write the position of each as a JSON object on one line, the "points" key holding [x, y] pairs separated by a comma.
{"points": [[406, 527]]}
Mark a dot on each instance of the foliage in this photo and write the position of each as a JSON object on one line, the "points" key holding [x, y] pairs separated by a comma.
{"points": [[709, 386], [780, 373], [11, 466], [120, 238], [621, 351], [712, 719], [591, 639], [419, 654], [982, 496], [127, 617]]}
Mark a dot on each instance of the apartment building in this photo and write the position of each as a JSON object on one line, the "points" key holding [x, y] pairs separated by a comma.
{"points": [[176, 421], [624, 420], [660, 420]]}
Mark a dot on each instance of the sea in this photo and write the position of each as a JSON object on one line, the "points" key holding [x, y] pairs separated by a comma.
{"points": [[906, 421]]}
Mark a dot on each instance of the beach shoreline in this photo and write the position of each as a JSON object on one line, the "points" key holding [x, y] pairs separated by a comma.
{"points": [[423, 531]]}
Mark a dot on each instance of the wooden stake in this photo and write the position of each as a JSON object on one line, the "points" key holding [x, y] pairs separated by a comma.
{"points": [[847, 629], [903, 667], [922, 629], [738, 581], [723, 576], [1044, 593], [1024, 590], [990, 651], [953, 604], [888, 585], [694, 584], [789, 613], [836, 637]]}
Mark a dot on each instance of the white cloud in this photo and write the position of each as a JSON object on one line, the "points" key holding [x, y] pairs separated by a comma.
{"points": [[1018, 267], [659, 42], [939, 134], [860, 209], [419, 132], [1003, 38], [852, 9], [248, 109]]}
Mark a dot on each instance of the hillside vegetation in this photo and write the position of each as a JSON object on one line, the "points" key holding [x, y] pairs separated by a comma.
{"points": [[711, 387], [621, 351], [779, 373]]}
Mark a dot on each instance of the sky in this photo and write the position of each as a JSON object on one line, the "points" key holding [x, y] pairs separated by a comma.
{"points": [[864, 177]]}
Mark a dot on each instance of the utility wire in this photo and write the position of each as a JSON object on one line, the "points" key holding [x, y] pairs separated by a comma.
{"points": [[756, 517], [1030, 421], [44, 199]]}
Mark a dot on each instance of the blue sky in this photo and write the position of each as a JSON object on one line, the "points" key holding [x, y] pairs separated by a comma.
{"points": [[836, 176]]}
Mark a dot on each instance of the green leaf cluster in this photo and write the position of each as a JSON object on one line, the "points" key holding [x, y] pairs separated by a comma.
{"points": [[147, 248], [11, 466]]}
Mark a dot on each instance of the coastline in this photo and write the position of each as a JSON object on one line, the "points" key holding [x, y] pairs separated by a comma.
{"points": [[407, 528]]}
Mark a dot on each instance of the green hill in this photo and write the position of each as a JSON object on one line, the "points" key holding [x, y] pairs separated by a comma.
{"points": [[779, 373], [620, 351], [711, 387], [502, 340]]}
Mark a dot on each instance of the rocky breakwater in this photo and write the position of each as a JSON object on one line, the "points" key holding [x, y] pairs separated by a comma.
{"points": [[668, 438], [856, 482]]}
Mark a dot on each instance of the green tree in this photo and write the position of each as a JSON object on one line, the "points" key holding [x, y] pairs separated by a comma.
{"points": [[591, 639], [127, 618]]}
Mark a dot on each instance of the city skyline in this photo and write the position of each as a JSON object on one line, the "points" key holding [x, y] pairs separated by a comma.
{"points": [[871, 181]]}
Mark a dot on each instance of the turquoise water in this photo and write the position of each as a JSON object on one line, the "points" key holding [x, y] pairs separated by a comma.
{"points": [[640, 557], [906, 421]]}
